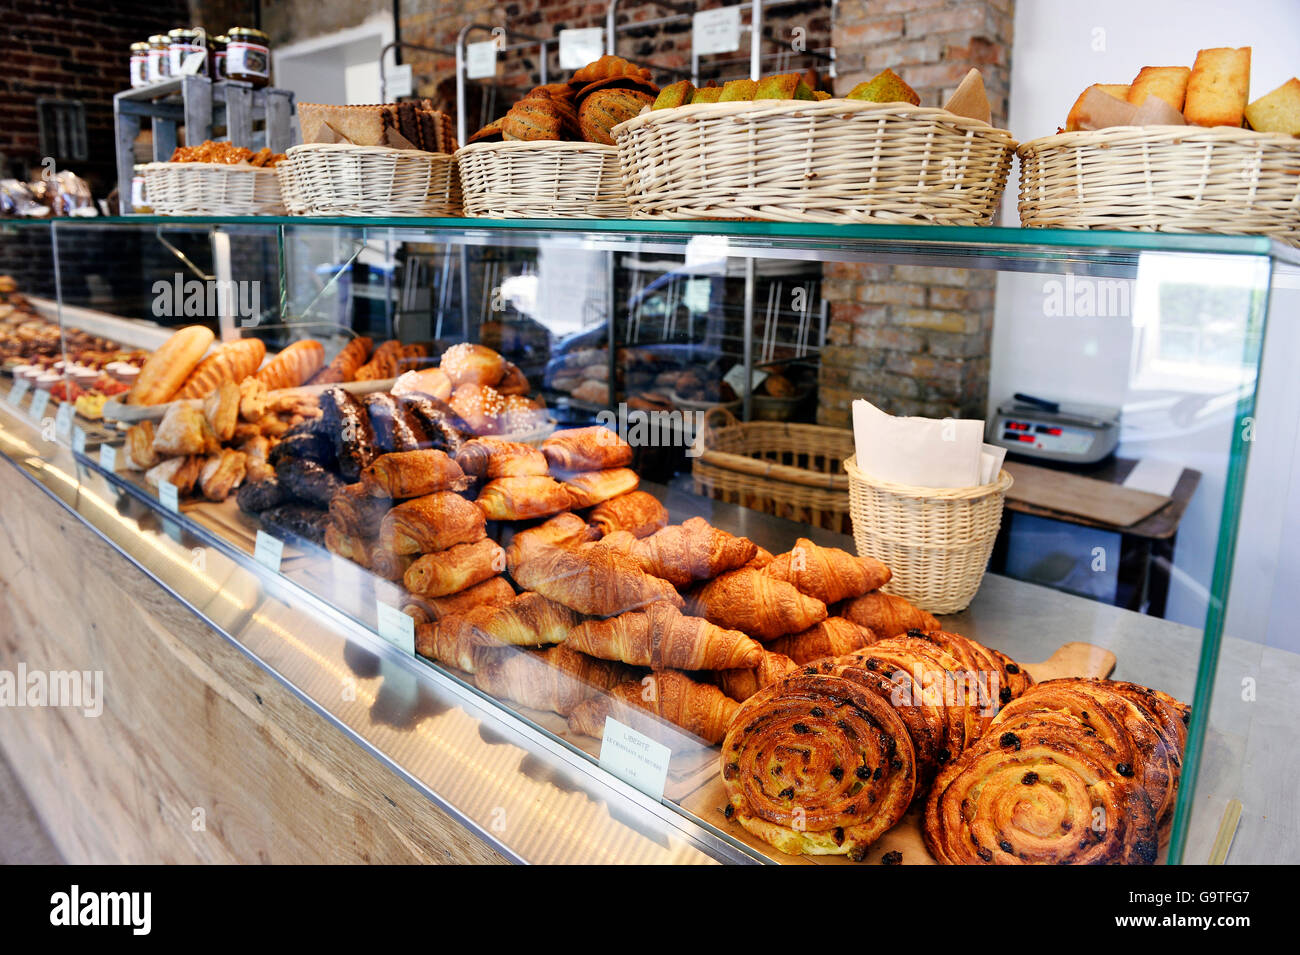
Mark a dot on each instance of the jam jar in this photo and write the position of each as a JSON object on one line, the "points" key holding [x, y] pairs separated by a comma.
{"points": [[139, 65], [181, 42], [217, 57], [248, 56], [157, 68]]}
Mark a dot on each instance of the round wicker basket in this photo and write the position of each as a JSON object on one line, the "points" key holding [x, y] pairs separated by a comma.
{"points": [[1163, 179], [339, 179], [937, 541], [212, 189], [542, 180], [833, 161]]}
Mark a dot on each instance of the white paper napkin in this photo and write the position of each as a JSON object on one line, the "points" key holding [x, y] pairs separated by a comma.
{"points": [[923, 452]]}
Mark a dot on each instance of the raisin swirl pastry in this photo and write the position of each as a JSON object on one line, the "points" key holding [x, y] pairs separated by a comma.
{"points": [[819, 765], [1039, 792]]}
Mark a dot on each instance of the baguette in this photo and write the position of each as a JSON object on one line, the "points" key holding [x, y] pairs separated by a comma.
{"points": [[294, 366], [167, 369]]}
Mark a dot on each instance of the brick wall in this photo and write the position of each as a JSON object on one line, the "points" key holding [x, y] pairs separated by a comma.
{"points": [[915, 340], [71, 49]]}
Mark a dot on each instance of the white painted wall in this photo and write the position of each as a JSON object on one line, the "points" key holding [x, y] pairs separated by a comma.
{"points": [[1061, 47], [339, 68]]}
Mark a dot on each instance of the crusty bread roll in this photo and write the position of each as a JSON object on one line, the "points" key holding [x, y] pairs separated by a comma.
{"points": [[231, 362], [469, 364], [166, 369], [293, 366]]}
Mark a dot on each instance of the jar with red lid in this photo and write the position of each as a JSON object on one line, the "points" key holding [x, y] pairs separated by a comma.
{"points": [[248, 56], [139, 65]]}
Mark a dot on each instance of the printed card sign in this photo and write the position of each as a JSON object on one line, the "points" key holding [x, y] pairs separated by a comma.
{"points": [[108, 457], [78, 440], [169, 497], [398, 80], [481, 59], [716, 31], [580, 47], [268, 551], [736, 378], [40, 401], [63, 420], [19, 391], [635, 758], [396, 627]]}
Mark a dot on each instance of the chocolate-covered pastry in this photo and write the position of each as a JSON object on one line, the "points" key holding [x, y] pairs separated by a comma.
{"points": [[296, 520], [308, 481], [257, 496], [354, 439], [389, 423], [306, 441], [445, 430]]}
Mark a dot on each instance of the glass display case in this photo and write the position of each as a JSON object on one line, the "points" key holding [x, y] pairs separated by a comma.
{"points": [[564, 586]]}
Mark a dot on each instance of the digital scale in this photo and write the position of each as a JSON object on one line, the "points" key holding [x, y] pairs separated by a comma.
{"points": [[1052, 431]]}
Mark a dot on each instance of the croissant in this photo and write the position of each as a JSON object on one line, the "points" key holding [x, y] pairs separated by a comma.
{"points": [[740, 685], [586, 449], [827, 573], [345, 364], [354, 511], [388, 565], [750, 601], [529, 620], [555, 679], [637, 512], [660, 636], [493, 458], [413, 474], [689, 552], [762, 558], [887, 615], [231, 362], [432, 523], [816, 764], [492, 592], [342, 541], [452, 570], [456, 640], [523, 498], [592, 580], [698, 708], [562, 530], [833, 637], [591, 487]]}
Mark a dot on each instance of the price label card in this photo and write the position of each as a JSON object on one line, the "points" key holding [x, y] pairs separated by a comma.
{"points": [[635, 758], [78, 440], [168, 496], [716, 31], [736, 378], [269, 550], [63, 420], [398, 80], [481, 60], [108, 457], [40, 401], [580, 47], [19, 391], [396, 627]]}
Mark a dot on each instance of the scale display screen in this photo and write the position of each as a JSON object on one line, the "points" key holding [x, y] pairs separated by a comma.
{"points": [[1053, 438]]}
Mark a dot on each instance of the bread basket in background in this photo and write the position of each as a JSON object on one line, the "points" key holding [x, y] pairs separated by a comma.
{"points": [[1163, 179], [542, 179], [212, 189], [937, 541], [837, 160], [339, 179]]}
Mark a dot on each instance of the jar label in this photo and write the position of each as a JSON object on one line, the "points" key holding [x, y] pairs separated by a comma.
{"points": [[248, 59], [139, 70]]}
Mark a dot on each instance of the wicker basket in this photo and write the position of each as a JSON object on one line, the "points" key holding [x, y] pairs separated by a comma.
{"points": [[294, 203], [339, 179], [212, 189], [1163, 179], [937, 541], [542, 180], [787, 470], [834, 161]]}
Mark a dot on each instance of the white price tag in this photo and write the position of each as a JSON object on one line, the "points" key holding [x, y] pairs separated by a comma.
{"points": [[716, 31], [580, 47], [108, 457], [19, 391], [78, 440], [40, 401], [736, 378], [635, 758], [396, 627], [398, 81], [168, 496], [268, 551], [481, 59], [193, 62], [63, 420]]}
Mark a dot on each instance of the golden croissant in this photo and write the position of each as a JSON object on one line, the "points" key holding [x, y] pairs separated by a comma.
{"points": [[750, 601], [698, 708], [827, 573], [660, 636]]}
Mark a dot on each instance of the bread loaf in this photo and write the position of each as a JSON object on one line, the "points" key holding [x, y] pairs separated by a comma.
{"points": [[293, 366], [167, 368], [231, 362]]}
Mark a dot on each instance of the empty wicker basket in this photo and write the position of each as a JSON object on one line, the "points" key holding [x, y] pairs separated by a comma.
{"points": [[787, 470], [339, 179], [937, 541]]}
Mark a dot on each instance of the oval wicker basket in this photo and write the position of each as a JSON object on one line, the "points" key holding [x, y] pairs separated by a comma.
{"points": [[542, 180], [339, 179], [212, 189], [937, 541], [787, 470], [834, 161], [1163, 179]]}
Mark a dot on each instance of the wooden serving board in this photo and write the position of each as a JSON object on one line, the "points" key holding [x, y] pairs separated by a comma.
{"points": [[1066, 493], [708, 802]]}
